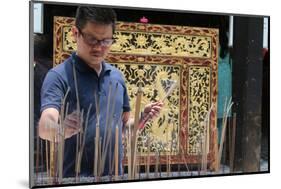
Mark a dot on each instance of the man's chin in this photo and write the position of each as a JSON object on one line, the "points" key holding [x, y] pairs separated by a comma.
{"points": [[95, 60]]}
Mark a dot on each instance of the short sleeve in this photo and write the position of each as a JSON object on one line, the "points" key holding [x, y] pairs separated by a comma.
{"points": [[126, 101], [52, 91]]}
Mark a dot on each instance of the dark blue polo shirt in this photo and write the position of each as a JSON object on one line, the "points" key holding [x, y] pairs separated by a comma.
{"points": [[53, 90]]}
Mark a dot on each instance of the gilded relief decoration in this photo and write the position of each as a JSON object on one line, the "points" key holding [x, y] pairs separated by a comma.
{"points": [[141, 43], [199, 104], [68, 43], [153, 56], [155, 81], [63, 41]]}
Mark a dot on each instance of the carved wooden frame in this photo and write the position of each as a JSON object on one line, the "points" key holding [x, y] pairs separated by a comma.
{"points": [[183, 58]]}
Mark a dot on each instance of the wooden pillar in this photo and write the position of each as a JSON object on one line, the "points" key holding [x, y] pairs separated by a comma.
{"points": [[247, 91]]}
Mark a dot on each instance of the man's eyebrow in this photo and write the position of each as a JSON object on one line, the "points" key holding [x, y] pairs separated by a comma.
{"points": [[93, 36]]}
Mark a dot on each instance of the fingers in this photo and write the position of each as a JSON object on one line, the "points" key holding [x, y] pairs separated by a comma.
{"points": [[72, 120], [72, 124], [70, 132]]}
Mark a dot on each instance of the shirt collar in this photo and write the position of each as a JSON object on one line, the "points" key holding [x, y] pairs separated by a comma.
{"points": [[82, 66]]}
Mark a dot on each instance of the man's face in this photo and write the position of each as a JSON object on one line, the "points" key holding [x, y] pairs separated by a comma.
{"points": [[93, 42]]}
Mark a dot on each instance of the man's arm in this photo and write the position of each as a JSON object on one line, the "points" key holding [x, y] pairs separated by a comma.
{"points": [[48, 124]]}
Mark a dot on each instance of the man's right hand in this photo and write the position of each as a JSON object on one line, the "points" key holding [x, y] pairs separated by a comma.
{"points": [[72, 124], [49, 128]]}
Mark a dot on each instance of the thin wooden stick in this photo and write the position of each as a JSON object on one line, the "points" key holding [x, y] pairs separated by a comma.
{"points": [[47, 158], [156, 164], [233, 143], [173, 86], [167, 157], [96, 158], [78, 146], [52, 156], [160, 167], [179, 155], [136, 131], [42, 158], [99, 159], [115, 160], [107, 117], [214, 165], [129, 148], [171, 152], [183, 157], [135, 153], [52, 159], [223, 132], [76, 88], [148, 157], [204, 144], [116, 151], [109, 131], [206, 139], [84, 134]]}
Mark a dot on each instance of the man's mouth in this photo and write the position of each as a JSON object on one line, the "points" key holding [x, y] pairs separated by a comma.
{"points": [[97, 55]]}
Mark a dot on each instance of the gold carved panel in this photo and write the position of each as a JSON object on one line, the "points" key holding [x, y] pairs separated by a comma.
{"points": [[152, 56], [142, 43], [199, 103], [156, 81]]}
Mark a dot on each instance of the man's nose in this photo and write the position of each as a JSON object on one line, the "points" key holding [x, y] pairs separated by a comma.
{"points": [[97, 47]]}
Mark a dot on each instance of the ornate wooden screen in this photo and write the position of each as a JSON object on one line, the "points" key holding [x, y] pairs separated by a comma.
{"points": [[154, 56]]}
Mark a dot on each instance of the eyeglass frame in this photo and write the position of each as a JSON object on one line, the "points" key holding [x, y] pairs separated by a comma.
{"points": [[95, 41]]}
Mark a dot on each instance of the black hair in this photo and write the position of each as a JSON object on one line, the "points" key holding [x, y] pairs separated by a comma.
{"points": [[98, 15]]}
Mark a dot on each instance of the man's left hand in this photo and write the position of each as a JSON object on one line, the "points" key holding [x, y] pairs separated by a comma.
{"points": [[152, 109]]}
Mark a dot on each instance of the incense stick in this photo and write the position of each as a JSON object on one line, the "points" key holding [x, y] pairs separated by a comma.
{"points": [[167, 157], [148, 157], [107, 117], [47, 158], [116, 151], [156, 164], [84, 135], [109, 130], [78, 146], [135, 130], [129, 148], [227, 109], [42, 158], [233, 143], [173, 86], [96, 157]]}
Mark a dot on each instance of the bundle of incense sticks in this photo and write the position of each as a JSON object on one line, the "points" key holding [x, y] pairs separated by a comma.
{"points": [[227, 109]]}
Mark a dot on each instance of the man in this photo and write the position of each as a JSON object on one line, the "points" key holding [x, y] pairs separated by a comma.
{"points": [[86, 73]]}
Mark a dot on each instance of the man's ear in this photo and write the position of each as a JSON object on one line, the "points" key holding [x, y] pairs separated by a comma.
{"points": [[75, 31]]}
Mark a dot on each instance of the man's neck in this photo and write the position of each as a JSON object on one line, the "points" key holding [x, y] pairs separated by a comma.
{"points": [[96, 67]]}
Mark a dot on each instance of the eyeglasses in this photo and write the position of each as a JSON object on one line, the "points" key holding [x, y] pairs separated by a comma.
{"points": [[92, 41]]}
